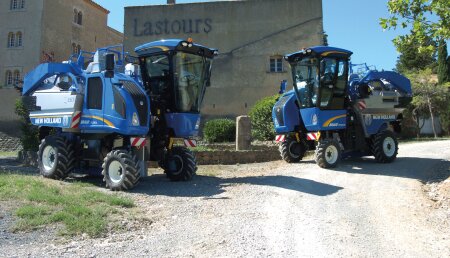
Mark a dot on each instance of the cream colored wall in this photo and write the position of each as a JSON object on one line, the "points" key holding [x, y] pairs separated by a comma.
{"points": [[246, 33], [27, 21], [59, 31]]}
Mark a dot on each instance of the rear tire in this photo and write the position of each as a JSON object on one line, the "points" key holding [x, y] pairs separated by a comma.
{"points": [[385, 147], [292, 151], [56, 157], [328, 154], [180, 164], [120, 170]]}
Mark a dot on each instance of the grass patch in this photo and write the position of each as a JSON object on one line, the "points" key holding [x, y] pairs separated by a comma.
{"points": [[8, 153], [44, 202]]}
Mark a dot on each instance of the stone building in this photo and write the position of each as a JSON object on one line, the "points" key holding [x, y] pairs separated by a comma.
{"points": [[36, 31], [252, 37]]}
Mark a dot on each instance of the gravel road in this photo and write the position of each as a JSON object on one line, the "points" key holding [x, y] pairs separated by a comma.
{"points": [[360, 209]]}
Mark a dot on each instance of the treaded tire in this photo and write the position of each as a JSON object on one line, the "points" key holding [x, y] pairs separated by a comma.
{"points": [[56, 157], [120, 170], [382, 147], [328, 154], [180, 164], [292, 151]]}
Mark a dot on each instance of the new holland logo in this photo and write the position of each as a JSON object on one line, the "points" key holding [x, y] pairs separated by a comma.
{"points": [[314, 119]]}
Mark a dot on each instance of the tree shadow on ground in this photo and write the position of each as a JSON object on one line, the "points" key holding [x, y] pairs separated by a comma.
{"points": [[422, 169]]}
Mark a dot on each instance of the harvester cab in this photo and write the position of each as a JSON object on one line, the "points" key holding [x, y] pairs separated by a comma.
{"points": [[175, 75], [334, 111]]}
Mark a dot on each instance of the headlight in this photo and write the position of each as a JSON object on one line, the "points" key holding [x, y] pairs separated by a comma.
{"points": [[135, 120], [197, 125]]}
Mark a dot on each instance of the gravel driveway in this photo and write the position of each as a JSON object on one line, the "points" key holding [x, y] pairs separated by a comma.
{"points": [[361, 209]]}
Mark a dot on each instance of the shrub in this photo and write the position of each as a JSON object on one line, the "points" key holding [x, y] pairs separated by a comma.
{"points": [[261, 117], [220, 130], [30, 137]]}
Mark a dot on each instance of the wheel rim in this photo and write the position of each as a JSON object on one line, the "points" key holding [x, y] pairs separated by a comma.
{"points": [[115, 171], [294, 149], [175, 165], [331, 154], [389, 146], [49, 158]]}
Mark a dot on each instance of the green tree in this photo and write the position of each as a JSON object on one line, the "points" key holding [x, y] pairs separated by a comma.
{"points": [[443, 69], [426, 19], [428, 95], [412, 59]]}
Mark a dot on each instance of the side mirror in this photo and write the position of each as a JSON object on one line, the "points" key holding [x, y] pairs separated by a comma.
{"points": [[283, 86], [109, 66]]}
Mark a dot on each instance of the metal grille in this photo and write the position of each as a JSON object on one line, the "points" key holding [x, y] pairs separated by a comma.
{"points": [[279, 106], [140, 100]]}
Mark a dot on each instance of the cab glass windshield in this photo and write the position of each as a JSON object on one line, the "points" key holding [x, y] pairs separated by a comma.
{"points": [[191, 73], [306, 81]]}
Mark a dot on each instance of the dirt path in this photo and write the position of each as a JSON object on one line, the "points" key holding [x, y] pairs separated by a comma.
{"points": [[361, 209]]}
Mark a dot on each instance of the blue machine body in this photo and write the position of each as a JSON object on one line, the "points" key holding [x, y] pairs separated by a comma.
{"points": [[290, 117], [104, 119]]}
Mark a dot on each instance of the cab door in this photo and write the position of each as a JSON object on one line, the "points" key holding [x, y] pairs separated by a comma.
{"points": [[333, 83], [93, 112]]}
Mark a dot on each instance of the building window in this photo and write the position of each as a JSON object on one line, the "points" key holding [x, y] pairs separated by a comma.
{"points": [[80, 18], [74, 48], [11, 39], [17, 4], [77, 17], [276, 64], [78, 49], [9, 78], [16, 77], [19, 39]]}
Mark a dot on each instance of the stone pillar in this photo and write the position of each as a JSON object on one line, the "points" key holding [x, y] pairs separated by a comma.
{"points": [[243, 133]]}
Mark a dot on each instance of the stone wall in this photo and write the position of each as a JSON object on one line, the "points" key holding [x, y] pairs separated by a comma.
{"points": [[9, 143], [9, 121], [229, 157]]}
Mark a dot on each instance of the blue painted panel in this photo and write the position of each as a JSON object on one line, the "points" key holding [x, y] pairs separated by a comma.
{"points": [[183, 124], [376, 123], [287, 111], [323, 120]]}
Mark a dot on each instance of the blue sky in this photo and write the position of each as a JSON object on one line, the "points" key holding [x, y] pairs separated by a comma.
{"points": [[350, 24]]}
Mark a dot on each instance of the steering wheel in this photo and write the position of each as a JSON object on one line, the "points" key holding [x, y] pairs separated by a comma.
{"points": [[189, 77]]}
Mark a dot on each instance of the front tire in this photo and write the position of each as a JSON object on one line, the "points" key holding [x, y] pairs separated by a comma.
{"points": [[292, 151], [56, 157], [180, 164], [120, 170], [385, 147], [328, 154]]}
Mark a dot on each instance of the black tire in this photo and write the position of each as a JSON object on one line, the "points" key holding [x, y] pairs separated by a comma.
{"points": [[180, 164], [292, 151], [328, 154], [120, 170], [56, 157], [385, 147]]}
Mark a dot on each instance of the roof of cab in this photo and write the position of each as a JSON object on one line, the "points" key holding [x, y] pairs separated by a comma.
{"points": [[165, 45], [320, 51]]}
